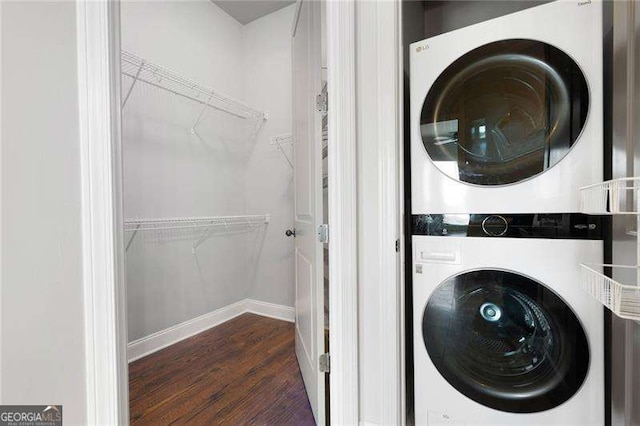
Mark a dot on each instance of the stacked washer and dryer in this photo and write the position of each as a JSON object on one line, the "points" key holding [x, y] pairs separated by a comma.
{"points": [[506, 126]]}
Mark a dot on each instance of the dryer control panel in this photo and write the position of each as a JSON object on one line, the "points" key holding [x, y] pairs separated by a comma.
{"points": [[573, 226]]}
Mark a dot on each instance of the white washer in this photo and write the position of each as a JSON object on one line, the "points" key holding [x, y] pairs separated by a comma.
{"points": [[504, 334], [506, 115]]}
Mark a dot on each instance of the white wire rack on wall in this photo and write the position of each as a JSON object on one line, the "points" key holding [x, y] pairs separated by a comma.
{"points": [[614, 197], [623, 300], [202, 225], [610, 197], [144, 71], [280, 142]]}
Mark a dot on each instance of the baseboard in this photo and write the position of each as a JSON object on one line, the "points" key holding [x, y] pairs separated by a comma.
{"points": [[266, 309], [167, 337]]}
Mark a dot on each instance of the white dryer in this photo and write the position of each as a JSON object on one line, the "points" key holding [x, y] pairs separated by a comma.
{"points": [[506, 115], [504, 334]]}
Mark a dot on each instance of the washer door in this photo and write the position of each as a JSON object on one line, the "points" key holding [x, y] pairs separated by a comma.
{"points": [[505, 341], [504, 112]]}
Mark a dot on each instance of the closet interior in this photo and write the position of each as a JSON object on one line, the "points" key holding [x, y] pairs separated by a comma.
{"points": [[209, 190]]}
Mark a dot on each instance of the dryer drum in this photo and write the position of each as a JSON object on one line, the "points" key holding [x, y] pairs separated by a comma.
{"points": [[505, 341], [504, 112]]}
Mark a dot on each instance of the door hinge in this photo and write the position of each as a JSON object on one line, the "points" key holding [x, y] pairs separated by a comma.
{"points": [[322, 102], [325, 363], [323, 233], [397, 246]]}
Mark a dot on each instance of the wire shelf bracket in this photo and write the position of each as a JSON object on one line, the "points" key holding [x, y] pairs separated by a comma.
{"points": [[283, 140], [135, 80], [206, 224], [133, 235], [204, 108]]}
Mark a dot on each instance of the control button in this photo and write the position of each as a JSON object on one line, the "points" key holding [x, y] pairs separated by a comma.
{"points": [[495, 226]]}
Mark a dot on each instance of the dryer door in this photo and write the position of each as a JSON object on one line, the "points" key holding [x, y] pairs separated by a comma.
{"points": [[505, 341], [504, 112]]}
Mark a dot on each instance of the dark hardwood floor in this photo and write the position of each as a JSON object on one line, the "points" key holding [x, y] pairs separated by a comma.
{"points": [[241, 372]]}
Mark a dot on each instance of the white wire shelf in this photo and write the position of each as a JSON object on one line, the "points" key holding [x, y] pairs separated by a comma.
{"points": [[610, 197], [142, 70], [193, 222], [281, 141], [623, 300], [201, 225]]}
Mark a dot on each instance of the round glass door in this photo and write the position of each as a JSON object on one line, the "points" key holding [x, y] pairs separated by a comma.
{"points": [[504, 112], [505, 341]]}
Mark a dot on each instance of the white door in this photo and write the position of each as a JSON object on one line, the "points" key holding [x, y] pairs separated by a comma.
{"points": [[307, 138]]}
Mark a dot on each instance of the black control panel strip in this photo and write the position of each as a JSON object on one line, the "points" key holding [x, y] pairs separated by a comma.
{"points": [[574, 226]]}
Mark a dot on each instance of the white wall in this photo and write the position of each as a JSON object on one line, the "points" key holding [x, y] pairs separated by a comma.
{"points": [[42, 353], [192, 37], [269, 180], [169, 172]]}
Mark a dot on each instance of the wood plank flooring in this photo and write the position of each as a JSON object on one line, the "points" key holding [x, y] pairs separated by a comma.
{"points": [[241, 372]]}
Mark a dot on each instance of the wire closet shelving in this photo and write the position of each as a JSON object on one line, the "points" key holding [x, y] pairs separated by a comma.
{"points": [[204, 224], [144, 71], [615, 197]]}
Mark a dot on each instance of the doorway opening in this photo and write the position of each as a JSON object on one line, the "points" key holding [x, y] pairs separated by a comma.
{"points": [[225, 177]]}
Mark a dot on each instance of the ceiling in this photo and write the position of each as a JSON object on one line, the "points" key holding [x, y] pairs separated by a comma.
{"points": [[245, 11]]}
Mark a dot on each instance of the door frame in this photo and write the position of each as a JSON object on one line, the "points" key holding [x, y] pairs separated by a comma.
{"points": [[380, 193], [343, 241], [98, 64], [106, 369]]}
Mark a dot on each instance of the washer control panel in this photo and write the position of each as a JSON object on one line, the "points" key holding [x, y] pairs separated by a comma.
{"points": [[574, 226]]}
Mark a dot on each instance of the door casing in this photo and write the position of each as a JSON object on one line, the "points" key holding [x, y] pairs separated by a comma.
{"points": [[103, 251]]}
